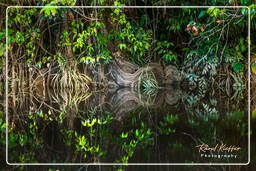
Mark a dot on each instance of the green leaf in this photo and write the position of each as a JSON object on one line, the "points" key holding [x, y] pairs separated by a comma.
{"points": [[48, 11], [213, 12], [2, 35], [19, 37], [237, 115], [137, 132], [202, 13], [13, 140], [254, 114], [238, 67], [124, 135], [23, 139], [192, 22], [2, 49], [242, 45], [254, 68]]}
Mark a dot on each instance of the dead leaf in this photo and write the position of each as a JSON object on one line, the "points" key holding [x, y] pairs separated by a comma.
{"points": [[202, 29], [220, 21]]}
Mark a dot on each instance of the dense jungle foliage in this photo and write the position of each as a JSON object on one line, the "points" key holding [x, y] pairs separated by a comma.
{"points": [[65, 47], [198, 41]]}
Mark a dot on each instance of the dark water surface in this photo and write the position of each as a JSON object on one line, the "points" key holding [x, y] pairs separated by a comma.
{"points": [[125, 126]]}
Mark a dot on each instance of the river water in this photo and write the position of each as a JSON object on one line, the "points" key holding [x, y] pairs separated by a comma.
{"points": [[126, 126]]}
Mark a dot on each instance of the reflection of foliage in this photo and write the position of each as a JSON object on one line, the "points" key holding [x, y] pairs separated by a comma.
{"points": [[205, 113], [89, 143], [131, 140], [2, 128], [84, 146], [90, 123], [94, 118], [95, 125], [25, 139], [237, 118], [236, 115], [164, 126]]}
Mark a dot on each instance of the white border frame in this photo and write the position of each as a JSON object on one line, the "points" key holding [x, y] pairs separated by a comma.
{"points": [[97, 7]]}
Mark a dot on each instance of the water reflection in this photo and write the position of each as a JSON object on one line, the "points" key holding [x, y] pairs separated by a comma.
{"points": [[124, 126]]}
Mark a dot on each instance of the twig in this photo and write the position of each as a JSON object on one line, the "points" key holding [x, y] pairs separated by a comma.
{"points": [[39, 44]]}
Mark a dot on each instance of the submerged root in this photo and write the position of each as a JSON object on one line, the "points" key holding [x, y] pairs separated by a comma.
{"points": [[71, 79]]}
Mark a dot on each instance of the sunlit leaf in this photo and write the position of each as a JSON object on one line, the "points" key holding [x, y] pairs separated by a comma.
{"points": [[254, 68]]}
